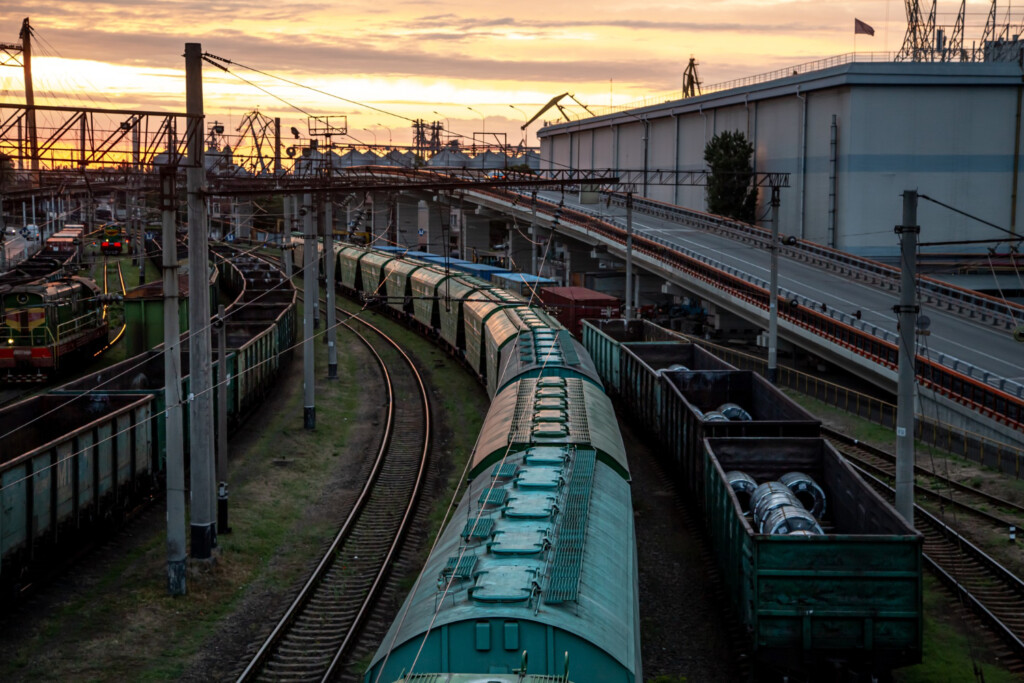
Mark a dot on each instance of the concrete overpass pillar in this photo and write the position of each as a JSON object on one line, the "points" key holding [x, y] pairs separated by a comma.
{"points": [[407, 221], [540, 236], [429, 233], [518, 249], [378, 220], [579, 259], [476, 235]]}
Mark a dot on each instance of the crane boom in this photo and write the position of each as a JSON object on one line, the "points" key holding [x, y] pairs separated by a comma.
{"points": [[554, 102]]}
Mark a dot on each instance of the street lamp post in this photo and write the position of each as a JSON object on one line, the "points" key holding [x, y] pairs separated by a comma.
{"points": [[447, 123], [525, 124], [483, 122], [483, 125], [373, 134]]}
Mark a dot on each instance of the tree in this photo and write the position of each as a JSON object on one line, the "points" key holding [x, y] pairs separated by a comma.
{"points": [[729, 192]]}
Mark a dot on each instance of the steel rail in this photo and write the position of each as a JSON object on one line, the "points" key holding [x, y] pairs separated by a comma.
{"points": [[964, 554], [306, 594], [849, 446]]}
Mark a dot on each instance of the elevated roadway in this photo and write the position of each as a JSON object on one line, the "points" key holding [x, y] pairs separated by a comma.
{"points": [[974, 361], [987, 346]]}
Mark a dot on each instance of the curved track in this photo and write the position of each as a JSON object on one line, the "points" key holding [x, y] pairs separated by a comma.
{"points": [[978, 581], [317, 630]]}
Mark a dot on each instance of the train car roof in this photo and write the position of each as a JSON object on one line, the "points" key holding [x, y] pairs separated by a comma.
{"points": [[493, 582], [547, 351], [514, 418]]}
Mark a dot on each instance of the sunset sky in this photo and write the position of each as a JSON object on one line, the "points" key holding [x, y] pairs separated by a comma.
{"points": [[411, 58]]}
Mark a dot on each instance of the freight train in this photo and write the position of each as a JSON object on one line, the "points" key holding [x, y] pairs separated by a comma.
{"points": [[82, 455], [536, 572], [842, 602]]}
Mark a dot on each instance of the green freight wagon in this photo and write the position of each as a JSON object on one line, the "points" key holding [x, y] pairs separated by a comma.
{"points": [[849, 597]]}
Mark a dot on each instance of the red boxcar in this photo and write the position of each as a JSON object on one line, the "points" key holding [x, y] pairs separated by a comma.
{"points": [[572, 304]]}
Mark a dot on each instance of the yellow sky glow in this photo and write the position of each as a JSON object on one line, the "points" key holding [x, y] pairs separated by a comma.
{"points": [[411, 58]]}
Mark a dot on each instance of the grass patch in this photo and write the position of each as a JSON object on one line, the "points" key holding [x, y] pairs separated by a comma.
{"points": [[948, 653]]}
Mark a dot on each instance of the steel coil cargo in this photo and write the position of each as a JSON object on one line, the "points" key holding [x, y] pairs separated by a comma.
{"points": [[787, 519], [768, 497], [807, 491], [743, 485], [850, 596], [644, 377], [685, 398]]}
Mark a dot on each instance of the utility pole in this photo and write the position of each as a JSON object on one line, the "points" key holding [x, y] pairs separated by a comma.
{"points": [[203, 514], [534, 232], [223, 378], [30, 98], [906, 383], [140, 252], [332, 314], [175, 454], [773, 292], [628, 312], [310, 295]]}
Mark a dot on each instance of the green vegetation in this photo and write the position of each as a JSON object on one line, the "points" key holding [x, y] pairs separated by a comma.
{"points": [[951, 651], [729, 191]]}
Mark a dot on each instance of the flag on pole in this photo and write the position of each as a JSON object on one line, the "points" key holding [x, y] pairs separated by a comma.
{"points": [[860, 27]]}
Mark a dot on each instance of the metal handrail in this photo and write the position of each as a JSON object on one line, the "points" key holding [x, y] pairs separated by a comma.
{"points": [[983, 305]]}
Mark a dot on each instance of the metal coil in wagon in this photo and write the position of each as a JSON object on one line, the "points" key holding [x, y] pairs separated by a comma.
{"points": [[734, 412], [768, 497], [811, 496], [787, 519], [744, 486]]}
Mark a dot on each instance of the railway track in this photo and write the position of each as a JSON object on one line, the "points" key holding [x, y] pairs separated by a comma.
{"points": [[318, 629], [993, 593], [936, 487]]}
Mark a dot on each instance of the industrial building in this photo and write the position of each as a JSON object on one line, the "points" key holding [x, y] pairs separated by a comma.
{"points": [[851, 134]]}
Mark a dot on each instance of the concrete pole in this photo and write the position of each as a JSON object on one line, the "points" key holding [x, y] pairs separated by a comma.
{"points": [[332, 314], [628, 309], [140, 251], [534, 232], [906, 382], [223, 378], [277, 145], [30, 100], [310, 294], [203, 515], [314, 212], [175, 454], [286, 234], [773, 293]]}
